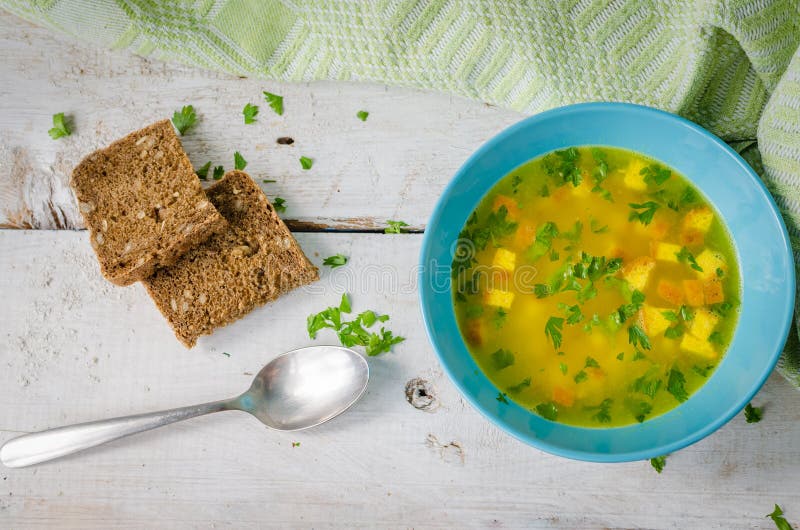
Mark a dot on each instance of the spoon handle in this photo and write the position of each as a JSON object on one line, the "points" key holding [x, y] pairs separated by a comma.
{"points": [[46, 445]]}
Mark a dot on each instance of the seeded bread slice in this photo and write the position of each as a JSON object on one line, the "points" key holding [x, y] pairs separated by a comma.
{"points": [[253, 261], [142, 203]]}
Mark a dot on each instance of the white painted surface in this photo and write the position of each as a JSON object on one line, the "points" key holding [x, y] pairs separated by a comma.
{"points": [[74, 348]]}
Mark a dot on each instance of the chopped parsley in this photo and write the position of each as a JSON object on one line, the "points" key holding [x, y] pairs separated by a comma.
{"points": [[306, 162], [600, 172], [548, 411], [648, 384], [563, 367], [575, 233], [655, 174], [568, 169], [638, 355], [268, 181], [685, 256], [60, 127], [279, 204], [621, 356], [591, 363], [719, 272], [362, 115], [499, 318], [202, 172], [721, 309], [249, 112], [544, 241], [502, 358], [581, 376], [703, 371], [676, 385], [645, 216], [552, 330], [603, 414], [275, 102], [238, 161], [658, 463], [354, 332], [716, 338], [753, 414], [337, 260], [686, 313], [516, 180], [780, 521], [519, 387], [295, 444], [596, 228], [637, 337], [574, 314], [183, 119], [496, 228], [672, 316], [501, 397], [541, 290], [639, 409], [219, 171], [474, 311], [395, 227], [675, 332]]}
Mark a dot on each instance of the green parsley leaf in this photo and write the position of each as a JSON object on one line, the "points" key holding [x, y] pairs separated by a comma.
{"points": [[563, 367], [603, 414], [581, 376], [395, 227], [184, 119], [689, 196], [548, 411], [552, 329], [60, 127], [621, 356], [716, 338], [591, 363], [519, 387], [499, 318], [645, 216], [238, 161], [596, 228], [655, 174], [637, 336], [752, 414], [496, 228], [685, 313], [721, 309], [275, 102], [362, 115], [295, 444], [544, 240], [780, 521], [638, 355], [719, 272], [639, 409], [501, 397], [545, 191], [568, 170], [502, 358], [344, 304], [474, 311], [381, 342], [574, 314], [658, 463], [306, 162], [250, 111], [268, 181], [516, 180], [675, 385], [600, 172], [685, 256], [648, 384], [279, 204], [703, 372], [575, 233], [219, 171], [202, 172], [337, 260], [675, 332], [352, 333], [541, 290], [672, 316]]}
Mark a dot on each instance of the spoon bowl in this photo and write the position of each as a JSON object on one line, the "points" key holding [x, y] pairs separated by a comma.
{"points": [[296, 390]]}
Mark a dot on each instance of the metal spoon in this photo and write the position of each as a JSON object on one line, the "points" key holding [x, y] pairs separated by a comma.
{"points": [[296, 390]]}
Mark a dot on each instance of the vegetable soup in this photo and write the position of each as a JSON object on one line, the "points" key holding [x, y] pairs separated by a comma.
{"points": [[596, 287]]}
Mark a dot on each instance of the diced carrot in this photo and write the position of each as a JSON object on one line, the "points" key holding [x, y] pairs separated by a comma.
{"points": [[712, 289], [694, 292], [524, 236], [691, 237], [563, 396], [670, 292], [509, 203], [698, 219], [596, 373], [560, 193], [663, 251], [617, 252], [474, 331]]}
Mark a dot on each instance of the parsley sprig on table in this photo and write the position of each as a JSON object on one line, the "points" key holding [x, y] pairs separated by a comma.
{"points": [[238, 161], [658, 463], [362, 115], [753, 414], [60, 127], [354, 332], [184, 118], [337, 260], [275, 102], [780, 521], [395, 227], [250, 112]]}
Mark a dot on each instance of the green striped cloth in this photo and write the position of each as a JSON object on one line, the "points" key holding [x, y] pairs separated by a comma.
{"points": [[731, 65]]}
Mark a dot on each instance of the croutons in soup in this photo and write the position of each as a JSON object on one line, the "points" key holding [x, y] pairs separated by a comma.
{"points": [[596, 287]]}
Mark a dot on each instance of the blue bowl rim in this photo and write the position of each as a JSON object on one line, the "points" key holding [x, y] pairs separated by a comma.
{"points": [[687, 440]]}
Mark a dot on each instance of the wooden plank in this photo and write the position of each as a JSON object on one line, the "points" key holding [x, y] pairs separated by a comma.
{"points": [[393, 166], [75, 348]]}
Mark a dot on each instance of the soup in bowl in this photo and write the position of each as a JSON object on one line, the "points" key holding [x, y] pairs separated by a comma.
{"points": [[607, 282]]}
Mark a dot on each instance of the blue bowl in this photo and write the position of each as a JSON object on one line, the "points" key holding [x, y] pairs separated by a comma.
{"points": [[759, 235]]}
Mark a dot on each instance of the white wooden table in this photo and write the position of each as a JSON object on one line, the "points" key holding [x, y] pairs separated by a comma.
{"points": [[74, 348]]}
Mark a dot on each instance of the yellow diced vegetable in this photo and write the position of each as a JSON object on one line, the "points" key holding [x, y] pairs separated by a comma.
{"points": [[498, 298], [703, 323], [697, 345], [633, 179], [670, 292], [698, 219], [505, 259], [637, 272], [694, 292], [665, 251], [652, 320], [710, 261]]}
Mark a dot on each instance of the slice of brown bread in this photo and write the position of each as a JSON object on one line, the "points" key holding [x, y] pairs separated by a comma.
{"points": [[254, 261], [142, 203]]}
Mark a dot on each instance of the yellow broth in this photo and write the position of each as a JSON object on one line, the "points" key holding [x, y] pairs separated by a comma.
{"points": [[596, 287]]}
